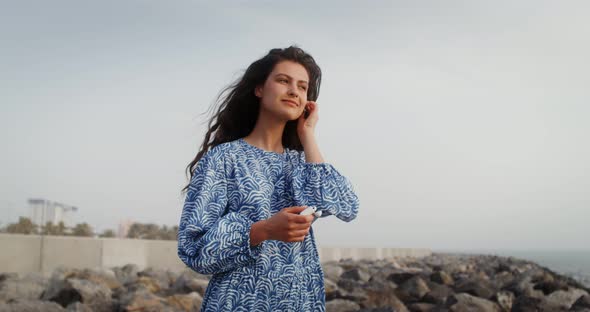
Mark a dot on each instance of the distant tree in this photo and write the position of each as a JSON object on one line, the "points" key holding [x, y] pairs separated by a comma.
{"points": [[61, 229], [23, 226], [135, 230], [51, 229], [108, 233], [152, 231], [48, 228], [167, 233], [82, 229]]}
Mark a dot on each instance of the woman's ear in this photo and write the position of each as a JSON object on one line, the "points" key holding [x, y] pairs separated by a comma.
{"points": [[258, 91]]}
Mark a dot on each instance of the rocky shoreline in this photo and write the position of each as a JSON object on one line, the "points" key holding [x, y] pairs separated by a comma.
{"points": [[441, 282]]}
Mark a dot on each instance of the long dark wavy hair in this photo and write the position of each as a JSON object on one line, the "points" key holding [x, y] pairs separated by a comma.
{"points": [[238, 105]]}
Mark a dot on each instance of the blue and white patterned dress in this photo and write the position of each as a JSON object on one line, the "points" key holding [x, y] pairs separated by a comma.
{"points": [[236, 184]]}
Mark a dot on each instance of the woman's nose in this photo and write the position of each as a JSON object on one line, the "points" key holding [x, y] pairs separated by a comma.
{"points": [[291, 92]]}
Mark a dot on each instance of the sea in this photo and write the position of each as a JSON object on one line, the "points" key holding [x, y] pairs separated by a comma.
{"points": [[573, 263]]}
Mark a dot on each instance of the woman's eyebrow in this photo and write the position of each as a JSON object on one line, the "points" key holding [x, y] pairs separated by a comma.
{"points": [[279, 74]]}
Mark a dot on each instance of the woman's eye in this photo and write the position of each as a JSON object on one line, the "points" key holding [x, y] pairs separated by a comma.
{"points": [[304, 88]]}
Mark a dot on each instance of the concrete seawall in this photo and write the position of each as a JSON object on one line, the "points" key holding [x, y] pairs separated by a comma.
{"points": [[33, 253]]}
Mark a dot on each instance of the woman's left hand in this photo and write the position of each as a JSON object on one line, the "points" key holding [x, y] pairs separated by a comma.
{"points": [[306, 126]]}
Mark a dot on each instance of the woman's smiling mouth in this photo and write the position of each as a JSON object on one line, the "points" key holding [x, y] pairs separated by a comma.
{"points": [[291, 102]]}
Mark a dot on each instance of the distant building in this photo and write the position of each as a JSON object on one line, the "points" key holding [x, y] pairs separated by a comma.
{"points": [[43, 211], [124, 226]]}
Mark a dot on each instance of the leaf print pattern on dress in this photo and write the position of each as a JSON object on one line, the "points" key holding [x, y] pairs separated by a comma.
{"points": [[235, 185]]}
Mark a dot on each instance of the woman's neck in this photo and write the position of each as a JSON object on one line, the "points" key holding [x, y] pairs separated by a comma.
{"points": [[267, 134]]}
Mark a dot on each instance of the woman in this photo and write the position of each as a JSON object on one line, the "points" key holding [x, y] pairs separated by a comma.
{"points": [[240, 221]]}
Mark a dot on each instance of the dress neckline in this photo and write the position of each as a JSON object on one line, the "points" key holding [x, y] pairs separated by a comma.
{"points": [[284, 153]]}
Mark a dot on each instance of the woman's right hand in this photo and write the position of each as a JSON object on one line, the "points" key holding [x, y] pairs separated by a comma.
{"points": [[287, 225]]}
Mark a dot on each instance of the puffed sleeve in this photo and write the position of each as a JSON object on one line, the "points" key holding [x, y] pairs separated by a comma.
{"points": [[210, 240], [321, 185]]}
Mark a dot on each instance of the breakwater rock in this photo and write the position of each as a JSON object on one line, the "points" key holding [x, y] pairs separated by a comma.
{"points": [[441, 282], [450, 282]]}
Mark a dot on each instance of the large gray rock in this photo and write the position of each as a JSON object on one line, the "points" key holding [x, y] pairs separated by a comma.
{"points": [[79, 307], [413, 289], [526, 304], [126, 274], [351, 290], [144, 301], [185, 302], [477, 287], [381, 294], [341, 305], [31, 306], [400, 277], [100, 276], [502, 279], [356, 274], [438, 294], [468, 303], [187, 283], [442, 277], [332, 271], [150, 284], [582, 303], [505, 300], [332, 290], [65, 292], [163, 279], [562, 299], [31, 286], [422, 307], [523, 286], [383, 273]]}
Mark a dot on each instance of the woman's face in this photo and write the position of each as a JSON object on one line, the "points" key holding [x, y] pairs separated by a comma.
{"points": [[284, 93]]}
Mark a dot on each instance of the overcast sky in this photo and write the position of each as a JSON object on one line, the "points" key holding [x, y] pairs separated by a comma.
{"points": [[461, 124]]}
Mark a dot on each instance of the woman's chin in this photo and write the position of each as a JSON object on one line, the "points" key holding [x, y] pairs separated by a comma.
{"points": [[290, 115]]}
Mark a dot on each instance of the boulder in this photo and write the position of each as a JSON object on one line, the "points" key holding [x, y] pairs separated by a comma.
{"points": [[332, 290], [332, 271], [30, 287], [412, 290], [342, 305], [65, 292], [562, 299], [380, 294], [187, 283], [186, 302], [582, 303], [142, 300], [78, 307], [351, 290], [464, 302], [526, 304], [161, 277], [505, 300], [477, 287], [31, 306], [422, 307], [442, 277], [356, 274], [438, 294], [100, 276], [126, 274]]}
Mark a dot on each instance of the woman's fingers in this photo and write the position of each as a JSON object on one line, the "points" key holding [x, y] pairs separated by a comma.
{"points": [[299, 226], [298, 236], [302, 219]]}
